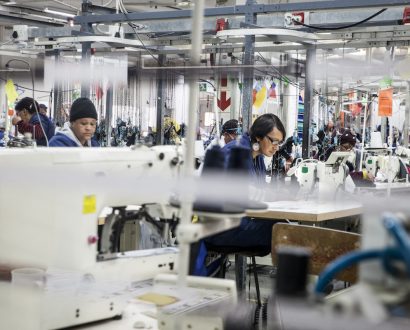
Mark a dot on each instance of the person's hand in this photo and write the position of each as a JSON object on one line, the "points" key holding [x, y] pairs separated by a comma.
{"points": [[288, 164], [15, 120], [370, 176]]}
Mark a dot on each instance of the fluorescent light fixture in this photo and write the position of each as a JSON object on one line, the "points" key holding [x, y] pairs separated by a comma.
{"points": [[59, 13]]}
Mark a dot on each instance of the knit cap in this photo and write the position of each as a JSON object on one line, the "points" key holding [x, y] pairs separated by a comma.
{"points": [[82, 108]]}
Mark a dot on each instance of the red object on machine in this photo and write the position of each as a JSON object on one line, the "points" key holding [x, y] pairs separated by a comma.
{"points": [[222, 24], [406, 15]]}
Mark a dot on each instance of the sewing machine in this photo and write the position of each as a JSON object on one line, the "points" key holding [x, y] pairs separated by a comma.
{"points": [[49, 213], [329, 175], [386, 167], [332, 174], [370, 164]]}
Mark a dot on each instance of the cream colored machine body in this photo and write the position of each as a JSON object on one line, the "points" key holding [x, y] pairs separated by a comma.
{"points": [[50, 200]]}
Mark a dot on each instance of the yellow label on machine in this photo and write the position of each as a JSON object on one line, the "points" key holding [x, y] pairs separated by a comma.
{"points": [[89, 204]]}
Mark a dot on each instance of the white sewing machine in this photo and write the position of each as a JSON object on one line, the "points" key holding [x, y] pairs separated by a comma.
{"points": [[332, 174], [50, 201], [370, 164], [329, 175]]}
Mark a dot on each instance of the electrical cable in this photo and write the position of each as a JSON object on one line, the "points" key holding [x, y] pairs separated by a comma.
{"points": [[107, 3], [134, 28], [400, 252], [67, 5], [39, 91], [6, 42], [340, 27]]}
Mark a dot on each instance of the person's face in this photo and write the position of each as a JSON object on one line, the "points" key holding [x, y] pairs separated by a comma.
{"points": [[43, 111], [346, 147], [24, 115], [270, 143], [84, 128], [228, 137]]}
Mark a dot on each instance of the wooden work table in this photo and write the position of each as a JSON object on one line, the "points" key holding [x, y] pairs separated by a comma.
{"points": [[310, 211]]}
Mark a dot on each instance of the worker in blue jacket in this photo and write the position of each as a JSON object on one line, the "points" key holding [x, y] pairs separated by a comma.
{"points": [[264, 139], [28, 119], [83, 122]]}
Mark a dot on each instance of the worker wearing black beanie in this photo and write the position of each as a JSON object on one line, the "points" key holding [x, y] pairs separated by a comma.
{"points": [[83, 122], [82, 108]]}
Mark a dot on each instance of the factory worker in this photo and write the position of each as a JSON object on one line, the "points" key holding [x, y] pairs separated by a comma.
{"points": [[2, 128], [80, 132], [347, 143], [264, 139], [28, 119], [230, 131]]}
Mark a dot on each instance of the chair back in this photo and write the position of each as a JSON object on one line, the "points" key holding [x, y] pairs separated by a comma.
{"points": [[324, 244]]}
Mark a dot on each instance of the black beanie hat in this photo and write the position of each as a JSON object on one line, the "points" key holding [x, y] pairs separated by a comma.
{"points": [[82, 108]]}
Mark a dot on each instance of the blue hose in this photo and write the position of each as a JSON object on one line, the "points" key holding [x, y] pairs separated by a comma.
{"points": [[400, 252], [343, 262], [395, 228], [390, 255]]}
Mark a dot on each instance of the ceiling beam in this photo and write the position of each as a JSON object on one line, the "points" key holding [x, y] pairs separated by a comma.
{"points": [[241, 10]]}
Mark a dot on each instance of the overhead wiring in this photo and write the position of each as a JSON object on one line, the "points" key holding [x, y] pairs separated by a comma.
{"points": [[39, 91], [282, 77], [66, 4], [107, 3], [340, 27], [133, 26]]}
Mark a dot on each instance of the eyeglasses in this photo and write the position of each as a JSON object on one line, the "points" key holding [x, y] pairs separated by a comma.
{"points": [[276, 143]]}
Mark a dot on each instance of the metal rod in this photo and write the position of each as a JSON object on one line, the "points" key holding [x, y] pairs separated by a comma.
{"points": [[406, 118], [161, 87], [363, 135], [187, 202], [309, 85], [247, 87]]}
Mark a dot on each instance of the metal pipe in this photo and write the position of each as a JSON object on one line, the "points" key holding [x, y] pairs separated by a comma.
{"points": [[309, 85], [241, 10], [187, 202], [363, 135]]}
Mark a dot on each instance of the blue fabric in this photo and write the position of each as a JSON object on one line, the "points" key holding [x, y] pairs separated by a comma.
{"points": [[62, 140], [200, 266], [251, 233], [48, 127], [257, 169]]}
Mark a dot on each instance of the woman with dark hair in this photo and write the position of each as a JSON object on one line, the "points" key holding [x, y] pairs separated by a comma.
{"points": [[28, 119], [264, 139]]}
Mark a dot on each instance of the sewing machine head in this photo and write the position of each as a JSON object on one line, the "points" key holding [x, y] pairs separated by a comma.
{"points": [[332, 174], [49, 210]]}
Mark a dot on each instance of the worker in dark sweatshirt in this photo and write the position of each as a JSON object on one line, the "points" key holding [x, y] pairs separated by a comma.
{"points": [[83, 123]]}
